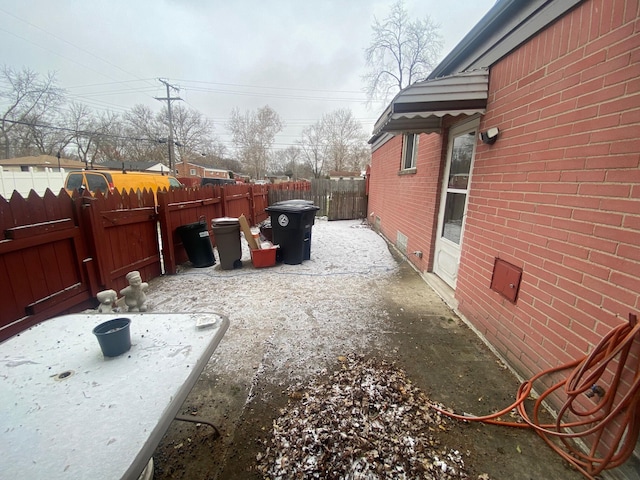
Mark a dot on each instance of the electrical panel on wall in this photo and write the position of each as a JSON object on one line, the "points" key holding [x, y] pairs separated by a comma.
{"points": [[506, 279]]}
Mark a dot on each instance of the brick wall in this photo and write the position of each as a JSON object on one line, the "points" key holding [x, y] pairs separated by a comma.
{"points": [[200, 171], [408, 203], [559, 193]]}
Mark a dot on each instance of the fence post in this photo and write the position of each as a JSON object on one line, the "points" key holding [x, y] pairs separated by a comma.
{"points": [[168, 247], [91, 226], [89, 249]]}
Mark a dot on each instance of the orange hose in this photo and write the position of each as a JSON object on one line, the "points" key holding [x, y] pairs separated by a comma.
{"points": [[616, 412]]}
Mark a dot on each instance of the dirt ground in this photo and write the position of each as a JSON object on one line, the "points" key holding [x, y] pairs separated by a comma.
{"points": [[243, 389]]}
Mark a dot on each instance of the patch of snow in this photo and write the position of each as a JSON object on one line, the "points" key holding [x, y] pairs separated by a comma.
{"points": [[289, 321]]}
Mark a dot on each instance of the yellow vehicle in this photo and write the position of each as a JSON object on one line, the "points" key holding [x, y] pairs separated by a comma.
{"points": [[109, 180]]}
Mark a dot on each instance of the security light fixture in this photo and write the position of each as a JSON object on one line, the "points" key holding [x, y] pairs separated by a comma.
{"points": [[490, 136]]}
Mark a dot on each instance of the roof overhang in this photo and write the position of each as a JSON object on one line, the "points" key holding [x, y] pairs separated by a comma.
{"points": [[420, 107], [509, 24]]}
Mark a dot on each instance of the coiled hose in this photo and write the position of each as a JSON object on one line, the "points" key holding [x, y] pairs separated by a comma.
{"points": [[612, 425]]}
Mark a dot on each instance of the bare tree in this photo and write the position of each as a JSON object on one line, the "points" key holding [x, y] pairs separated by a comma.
{"points": [[192, 133], [29, 100], [146, 133], [228, 164], [214, 154], [112, 141], [253, 135], [83, 122], [335, 142], [287, 161], [33, 122], [402, 52], [360, 158], [314, 147], [41, 137], [345, 138]]}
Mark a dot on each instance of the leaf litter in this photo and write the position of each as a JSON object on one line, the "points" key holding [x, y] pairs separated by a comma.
{"points": [[364, 421]]}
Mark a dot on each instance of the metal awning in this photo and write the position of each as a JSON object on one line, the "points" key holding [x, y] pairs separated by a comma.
{"points": [[420, 107]]}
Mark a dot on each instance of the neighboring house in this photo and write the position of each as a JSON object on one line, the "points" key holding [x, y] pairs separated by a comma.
{"points": [[343, 175], [37, 173], [511, 177], [188, 169], [273, 178], [40, 163], [241, 177], [132, 166]]}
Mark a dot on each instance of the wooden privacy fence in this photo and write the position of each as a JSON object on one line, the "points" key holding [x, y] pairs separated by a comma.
{"points": [[182, 207], [58, 252], [44, 261], [337, 199], [120, 230]]}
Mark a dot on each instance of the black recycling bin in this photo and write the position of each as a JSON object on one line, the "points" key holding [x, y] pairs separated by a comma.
{"points": [[295, 201], [197, 243], [307, 234], [291, 223], [226, 231]]}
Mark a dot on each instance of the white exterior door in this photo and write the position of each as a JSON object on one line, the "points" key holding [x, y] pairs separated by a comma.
{"points": [[453, 204]]}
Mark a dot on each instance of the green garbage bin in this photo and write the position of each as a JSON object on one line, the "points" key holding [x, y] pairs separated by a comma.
{"points": [[226, 231], [197, 243]]}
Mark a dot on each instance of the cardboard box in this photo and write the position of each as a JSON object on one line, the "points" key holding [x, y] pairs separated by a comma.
{"points": [[248, 235]]}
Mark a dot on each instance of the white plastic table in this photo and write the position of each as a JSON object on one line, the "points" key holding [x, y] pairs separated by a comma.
{"points": [[68, 412]]}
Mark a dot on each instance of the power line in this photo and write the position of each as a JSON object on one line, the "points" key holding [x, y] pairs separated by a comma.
{"points": [[268, 87], [105, 84], [68, 43], [276, 95], [86, 133]]}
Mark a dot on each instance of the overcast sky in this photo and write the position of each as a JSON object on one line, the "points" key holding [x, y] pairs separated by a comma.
{"points": [[302, 58]]}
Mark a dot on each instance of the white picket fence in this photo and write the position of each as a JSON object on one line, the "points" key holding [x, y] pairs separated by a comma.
{"points": [[24, 182]]}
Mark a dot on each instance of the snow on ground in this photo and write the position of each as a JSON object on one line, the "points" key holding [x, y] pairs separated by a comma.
{"points": [[288, 322]]}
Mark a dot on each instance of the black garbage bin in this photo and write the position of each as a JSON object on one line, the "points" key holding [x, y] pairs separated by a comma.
{"points": [[295, 201], [291, 223], [226, 231], [307, 234], [197, 243]]}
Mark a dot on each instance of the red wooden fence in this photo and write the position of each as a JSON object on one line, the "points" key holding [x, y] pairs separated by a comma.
{"points": [[181, 207], [44, 261], [58, 252], [122, 230], [301, 186]]}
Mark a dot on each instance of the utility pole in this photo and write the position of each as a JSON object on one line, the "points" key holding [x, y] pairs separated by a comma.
{"points": [[168, 99]]}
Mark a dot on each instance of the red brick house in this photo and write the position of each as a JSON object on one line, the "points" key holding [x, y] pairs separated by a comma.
{"points": [[189, 169], [510, 178]]}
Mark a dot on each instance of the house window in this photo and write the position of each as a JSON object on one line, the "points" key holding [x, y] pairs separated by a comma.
{"points": [[192, 171], [409, 151]]}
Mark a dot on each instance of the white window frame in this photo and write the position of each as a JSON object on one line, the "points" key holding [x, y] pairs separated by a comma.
{"points": [[409, 139], [192, 171]]}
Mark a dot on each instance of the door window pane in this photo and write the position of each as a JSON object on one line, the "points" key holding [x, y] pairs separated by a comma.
{"points": [[461, 156], [453, 216]]}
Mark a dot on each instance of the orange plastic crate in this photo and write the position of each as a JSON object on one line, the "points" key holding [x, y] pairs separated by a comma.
{"points": [[265, 257]]}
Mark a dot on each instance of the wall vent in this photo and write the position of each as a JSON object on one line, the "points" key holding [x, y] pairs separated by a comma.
{"points": [[401, 242]]}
